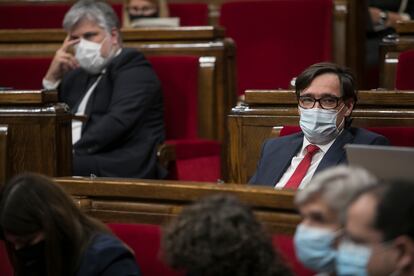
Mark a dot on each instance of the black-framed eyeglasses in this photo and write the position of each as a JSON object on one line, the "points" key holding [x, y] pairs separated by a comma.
{"points": [[326, 102]]}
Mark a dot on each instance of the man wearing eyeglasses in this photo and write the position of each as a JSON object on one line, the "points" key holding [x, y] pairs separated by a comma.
{"points": [[326, 97]]}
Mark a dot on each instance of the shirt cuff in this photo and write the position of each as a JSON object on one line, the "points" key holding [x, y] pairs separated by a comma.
{"points": [[50, 85]]}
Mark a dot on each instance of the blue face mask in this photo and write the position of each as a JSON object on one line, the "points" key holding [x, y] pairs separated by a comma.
{"points": [[319, 125], [314, 248], [352, 259]]}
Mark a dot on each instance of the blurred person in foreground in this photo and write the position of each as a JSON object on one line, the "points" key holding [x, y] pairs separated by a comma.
{"points": [[379, 236], [219, 236], [47, 235], [322, 205]]}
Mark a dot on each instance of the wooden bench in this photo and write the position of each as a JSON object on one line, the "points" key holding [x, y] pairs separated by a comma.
{"points": [[265, 112], [216, 53], [35, 134], [390, 49], [157, 201]]}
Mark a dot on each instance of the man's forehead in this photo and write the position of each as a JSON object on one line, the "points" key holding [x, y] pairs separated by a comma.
{"points": [[327, 84]]}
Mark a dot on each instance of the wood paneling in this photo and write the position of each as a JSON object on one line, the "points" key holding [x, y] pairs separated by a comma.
{"points": [[38, 133], [157, 201]]}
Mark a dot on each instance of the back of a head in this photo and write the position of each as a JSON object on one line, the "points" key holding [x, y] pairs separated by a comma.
{"points": [[220, 236], [96, 11], [336, 186], [394, 214]]}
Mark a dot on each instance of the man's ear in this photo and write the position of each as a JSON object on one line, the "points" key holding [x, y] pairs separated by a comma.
{"points": [[114, 36], [405, 258], [350, 106]]}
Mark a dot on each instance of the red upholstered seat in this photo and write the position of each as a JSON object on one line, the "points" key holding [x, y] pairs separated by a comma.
{"points": [[277, 39], [398, 136], [145, 241], [5, 267], [284, 244], [190, 14], [23, 73], [196, 159], [404, 79], [37, 15]]}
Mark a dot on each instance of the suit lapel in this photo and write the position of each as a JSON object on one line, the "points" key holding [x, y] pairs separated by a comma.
{"points": [[285, 156], [336, 153]]}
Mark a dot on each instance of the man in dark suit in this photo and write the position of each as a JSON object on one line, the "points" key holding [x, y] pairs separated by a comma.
{"points": [[326, 97], [114, 89]]}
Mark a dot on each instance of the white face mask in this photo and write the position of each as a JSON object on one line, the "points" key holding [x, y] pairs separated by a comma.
{"points": [[352, 259], [89, 56], [319, 125]]}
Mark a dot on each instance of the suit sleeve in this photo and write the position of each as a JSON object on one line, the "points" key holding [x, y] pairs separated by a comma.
{"points": [[135, 90], [380, 140]]}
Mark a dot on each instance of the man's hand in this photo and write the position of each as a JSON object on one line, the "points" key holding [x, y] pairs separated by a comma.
{"points": [[62, 62]]}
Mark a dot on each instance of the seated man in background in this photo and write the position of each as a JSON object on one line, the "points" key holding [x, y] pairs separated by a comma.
{"points": [[322, 205], [379, 236], [115, 89], [219, 236], [326, 97], [148, 13]]}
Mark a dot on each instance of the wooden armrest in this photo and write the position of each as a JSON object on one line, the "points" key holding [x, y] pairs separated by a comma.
{"points": [[82, 118], [166, 154]]}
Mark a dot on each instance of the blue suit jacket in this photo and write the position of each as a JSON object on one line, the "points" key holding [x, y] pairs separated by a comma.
{"points": [[107, 256], [277, 153]]}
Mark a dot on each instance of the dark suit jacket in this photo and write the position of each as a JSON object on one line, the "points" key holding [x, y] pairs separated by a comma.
{"points": [[107, 256], [277, 153], [125, 121]]}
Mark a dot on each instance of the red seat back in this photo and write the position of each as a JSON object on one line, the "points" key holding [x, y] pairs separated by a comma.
{"points": [[23, 73], [179, 79], [404, 79], [190, 14], [145, 241], [398, 136], [5, 267], [37, 15], [277, 39]]}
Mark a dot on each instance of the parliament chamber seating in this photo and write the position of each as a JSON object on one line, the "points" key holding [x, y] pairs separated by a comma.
{"points": [[404, 78], [23, 72], [196, 159], [37, 15], [277, 39], [190, 14]]}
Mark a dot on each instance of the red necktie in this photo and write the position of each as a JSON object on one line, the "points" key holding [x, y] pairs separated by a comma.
{"points": [[300, 172]]}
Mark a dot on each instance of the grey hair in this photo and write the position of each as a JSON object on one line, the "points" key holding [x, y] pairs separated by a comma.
{"points": [[337, 187], [99, 12]]}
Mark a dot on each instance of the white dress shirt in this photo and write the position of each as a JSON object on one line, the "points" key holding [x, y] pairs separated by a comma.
{"points": [[298, 158]]}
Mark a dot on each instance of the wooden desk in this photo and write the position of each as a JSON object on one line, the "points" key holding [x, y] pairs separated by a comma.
{"points": [[157, 201], [35, 135], [217, 56], [266, 112]]}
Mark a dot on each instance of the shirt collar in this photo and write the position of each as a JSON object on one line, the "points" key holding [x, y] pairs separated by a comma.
{"points": [[323, 148]]}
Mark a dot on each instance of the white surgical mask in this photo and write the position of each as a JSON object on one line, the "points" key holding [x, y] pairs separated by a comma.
{"points": [[89, 56], [352, 259], [319, 125], [314, 247]]}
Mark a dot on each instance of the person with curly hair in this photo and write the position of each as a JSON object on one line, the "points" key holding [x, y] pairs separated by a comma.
{"points": [[220, 236]]}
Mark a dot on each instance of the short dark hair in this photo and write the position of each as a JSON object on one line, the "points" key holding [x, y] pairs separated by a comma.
{"points": [[394, 215], [345, 76], [220, 236], [31, 203]]}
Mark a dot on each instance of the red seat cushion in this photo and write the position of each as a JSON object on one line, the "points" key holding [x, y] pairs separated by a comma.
{"points": [[284, 245], [404, 79], [5, 267], [196, 159], [23, 72], [277, 39], [37, 15], [190, 14], [145, 241]]}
